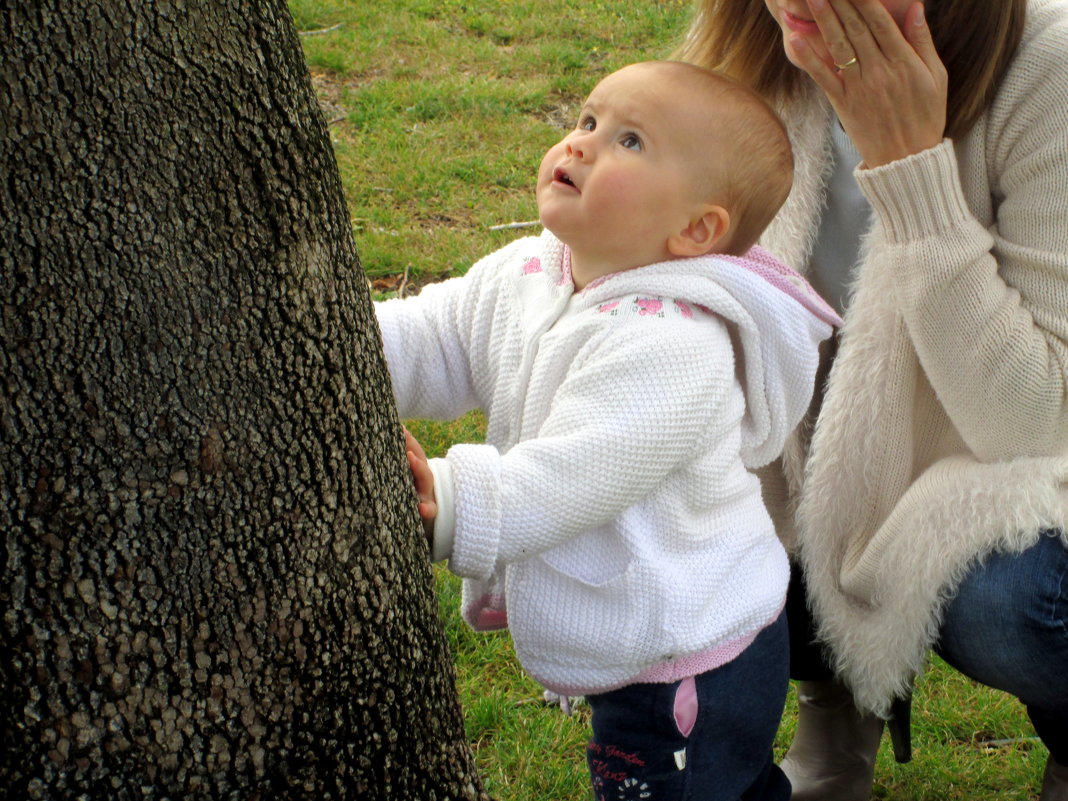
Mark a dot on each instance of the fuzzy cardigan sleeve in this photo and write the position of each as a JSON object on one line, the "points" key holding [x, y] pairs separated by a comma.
{"points": [[987, 308]]}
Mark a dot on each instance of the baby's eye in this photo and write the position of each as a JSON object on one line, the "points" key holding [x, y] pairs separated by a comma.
{"points": [[631, 142], [587, 123]]}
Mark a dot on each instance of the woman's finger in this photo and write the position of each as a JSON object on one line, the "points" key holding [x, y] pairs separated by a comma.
{"points": [[922, 42], [839, 48], [882, 30], [855, 28], [821, 72]]}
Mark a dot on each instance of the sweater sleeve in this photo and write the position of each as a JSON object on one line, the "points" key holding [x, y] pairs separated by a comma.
{"points": [[430, 340], [986, 308], [631, 410]]}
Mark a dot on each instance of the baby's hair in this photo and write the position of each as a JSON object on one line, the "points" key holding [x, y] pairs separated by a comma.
{"points": [[749, 154]]}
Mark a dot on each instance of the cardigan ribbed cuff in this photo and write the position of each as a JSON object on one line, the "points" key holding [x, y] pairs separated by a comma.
{"points": [[445, 522], [917, 196]]}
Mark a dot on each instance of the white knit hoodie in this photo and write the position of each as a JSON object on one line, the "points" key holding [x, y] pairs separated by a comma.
{"points": [[943, 433], [612, 509]]}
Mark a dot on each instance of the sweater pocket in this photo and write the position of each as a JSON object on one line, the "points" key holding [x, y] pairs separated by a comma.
{"points": [[576, 623], [595, 559]]}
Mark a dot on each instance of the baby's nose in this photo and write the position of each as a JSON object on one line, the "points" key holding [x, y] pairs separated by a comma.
{"points": [[577, 149]]}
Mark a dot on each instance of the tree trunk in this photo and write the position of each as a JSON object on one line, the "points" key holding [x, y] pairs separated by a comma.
{"points": [[214, 583]]}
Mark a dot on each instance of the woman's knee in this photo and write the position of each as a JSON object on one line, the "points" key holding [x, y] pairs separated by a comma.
{"points": [[1007, 625]]}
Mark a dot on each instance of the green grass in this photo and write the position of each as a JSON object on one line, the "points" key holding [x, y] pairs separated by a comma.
{"points": [[441, 111], [439, 115]]}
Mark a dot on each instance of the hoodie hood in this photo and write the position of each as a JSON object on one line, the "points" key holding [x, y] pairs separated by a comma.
{"points": [[777, 323]]}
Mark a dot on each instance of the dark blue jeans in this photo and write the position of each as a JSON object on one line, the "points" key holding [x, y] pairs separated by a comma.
{"points": [[1007, 628], [642, 750]]}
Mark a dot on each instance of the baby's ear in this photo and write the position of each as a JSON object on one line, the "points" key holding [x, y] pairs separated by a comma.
{"points": [[705, 230]]}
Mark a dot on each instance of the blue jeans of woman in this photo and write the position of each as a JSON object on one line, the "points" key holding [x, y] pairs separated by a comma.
{"points": [[719, 750], [1006, 627]]}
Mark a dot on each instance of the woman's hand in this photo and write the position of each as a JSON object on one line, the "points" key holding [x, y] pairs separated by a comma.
{"points": [[891, 100]]}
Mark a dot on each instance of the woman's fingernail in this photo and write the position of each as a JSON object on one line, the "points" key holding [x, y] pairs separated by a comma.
{"points": [[918, 21]]}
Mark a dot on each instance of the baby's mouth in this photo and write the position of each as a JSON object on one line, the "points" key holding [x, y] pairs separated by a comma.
{"points": [[563, 177]]}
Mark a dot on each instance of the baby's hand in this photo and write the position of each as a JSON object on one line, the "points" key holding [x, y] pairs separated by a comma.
{"points": [[424, 483]]}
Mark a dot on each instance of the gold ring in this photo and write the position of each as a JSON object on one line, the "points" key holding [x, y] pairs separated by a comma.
{"points": [[847, 65]]}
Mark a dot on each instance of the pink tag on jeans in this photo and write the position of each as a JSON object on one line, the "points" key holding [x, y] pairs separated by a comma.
{"points": [[686, 706]]}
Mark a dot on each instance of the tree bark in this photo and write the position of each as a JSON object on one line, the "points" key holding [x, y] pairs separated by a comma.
{"points": [[214, 583]]}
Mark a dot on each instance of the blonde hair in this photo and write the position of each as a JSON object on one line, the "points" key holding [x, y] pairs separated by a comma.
{"points": [[750, 166], [975, 40]]}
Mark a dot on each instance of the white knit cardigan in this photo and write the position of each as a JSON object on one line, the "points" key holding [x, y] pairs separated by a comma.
{"points": [[943, 433], [611, 518]]}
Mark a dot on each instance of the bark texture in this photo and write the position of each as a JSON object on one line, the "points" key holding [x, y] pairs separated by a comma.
{"points": [[213, 580]]}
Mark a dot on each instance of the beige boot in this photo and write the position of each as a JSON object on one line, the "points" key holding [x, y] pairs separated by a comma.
{"points": [[1054, 782], [832, 757]]}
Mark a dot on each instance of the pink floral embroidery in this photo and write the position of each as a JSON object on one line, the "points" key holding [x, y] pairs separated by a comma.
{"points": [[532, 266], [648, 306], [604, 308], [684, 309]]}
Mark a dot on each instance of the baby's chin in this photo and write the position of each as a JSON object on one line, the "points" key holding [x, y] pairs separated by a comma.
{"points": [[550, 224]]}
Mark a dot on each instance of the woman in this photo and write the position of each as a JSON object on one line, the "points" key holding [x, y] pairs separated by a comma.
{"points": [[927, 502]]}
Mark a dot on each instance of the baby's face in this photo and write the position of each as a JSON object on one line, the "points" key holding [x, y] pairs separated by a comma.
{"points": [[622, 182]]}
